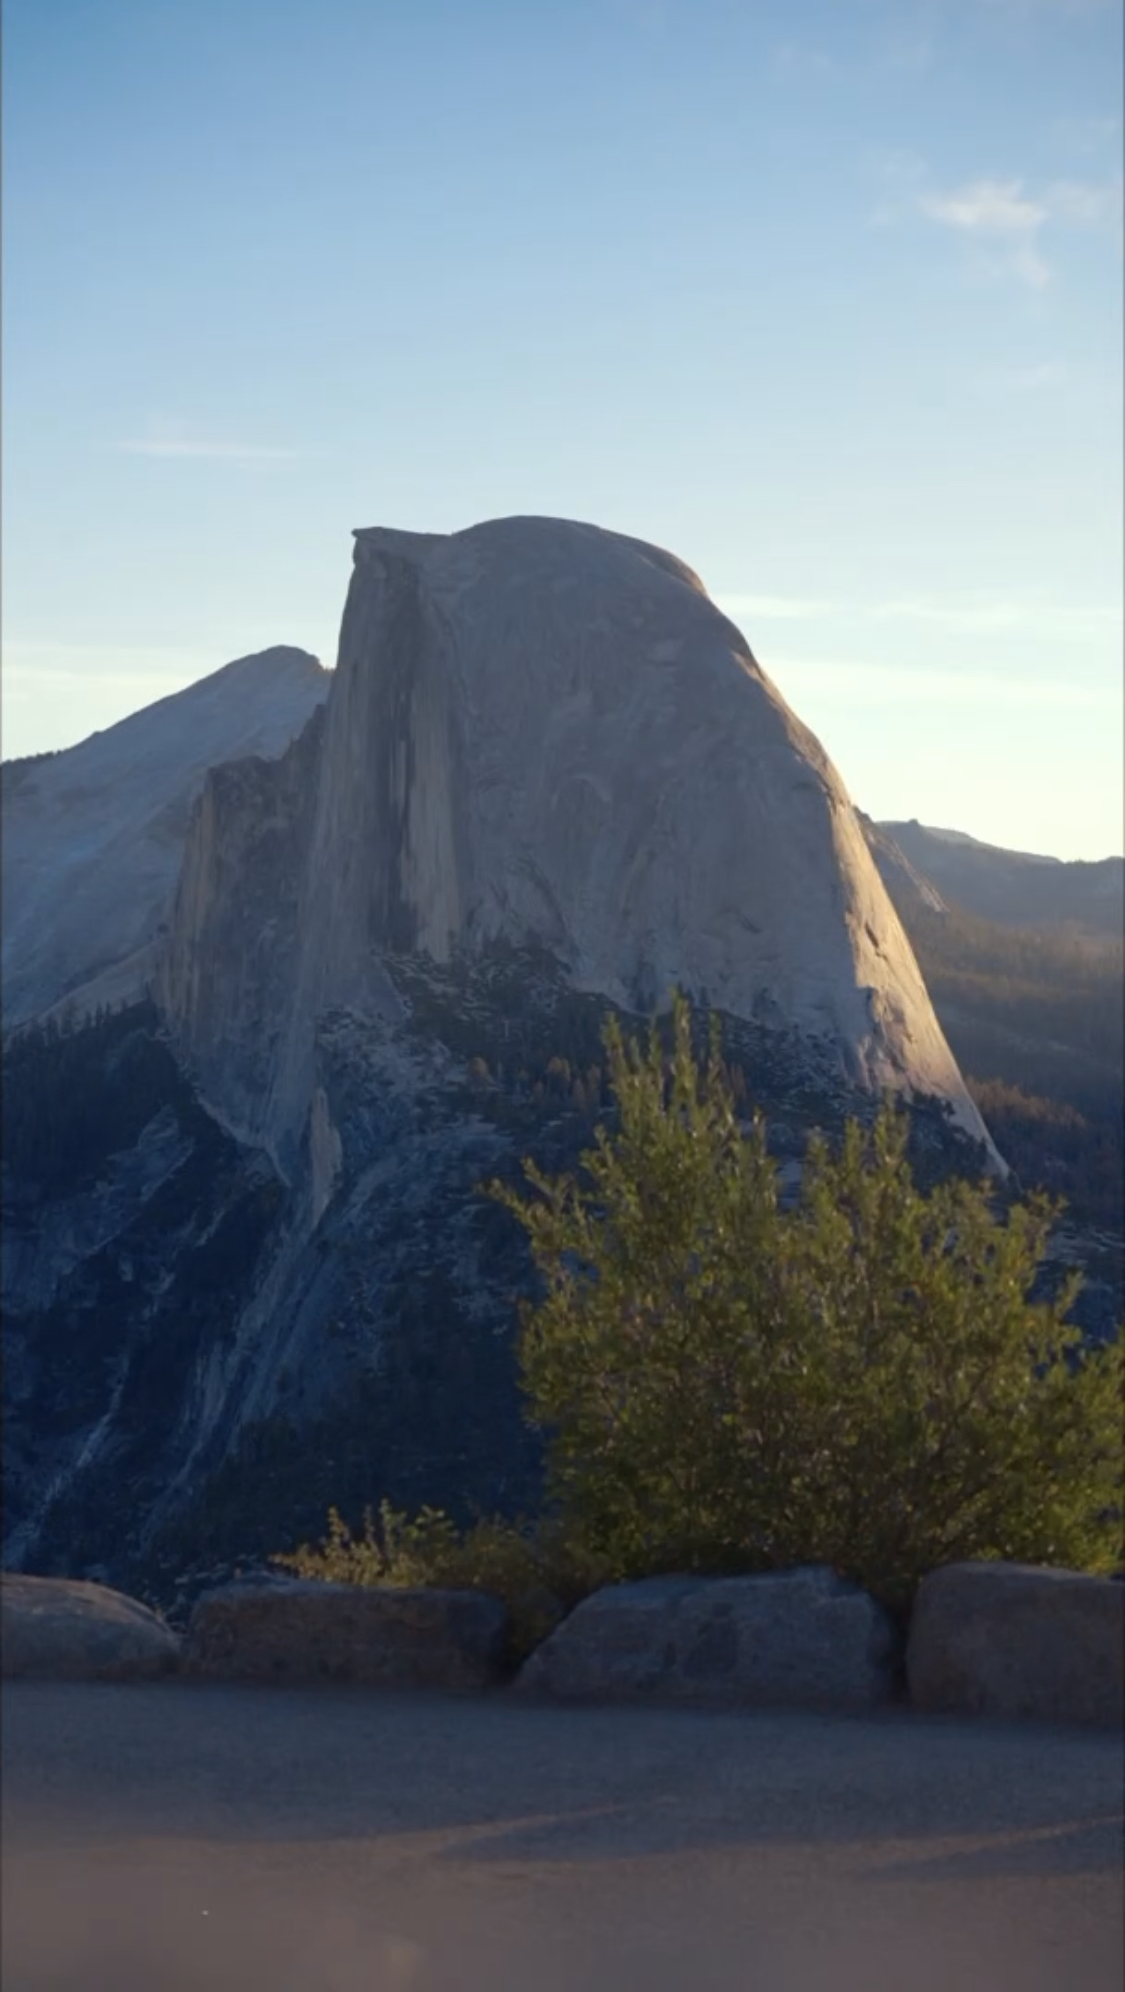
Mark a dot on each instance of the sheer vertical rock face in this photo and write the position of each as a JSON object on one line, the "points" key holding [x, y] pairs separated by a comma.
{"points": [[233, 951], [541, 732]]}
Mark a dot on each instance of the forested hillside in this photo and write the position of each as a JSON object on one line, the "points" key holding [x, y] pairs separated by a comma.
{"points": [[1036, 1021]]}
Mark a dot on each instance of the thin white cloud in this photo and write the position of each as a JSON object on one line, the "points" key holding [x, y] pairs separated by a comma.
{"points": [[1013, 617], [227, 452], [851, 683], [780, 608], [1001, 214], [23, 685], [57, 694], [970, 618], [1023, 380], [35, 657], [995, 207], [998, 211]]}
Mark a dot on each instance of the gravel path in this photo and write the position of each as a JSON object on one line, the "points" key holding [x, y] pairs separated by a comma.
{"points": [[187, 1836]]}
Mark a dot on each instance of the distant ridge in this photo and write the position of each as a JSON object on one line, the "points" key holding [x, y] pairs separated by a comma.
{"points": [[1016, 888]]}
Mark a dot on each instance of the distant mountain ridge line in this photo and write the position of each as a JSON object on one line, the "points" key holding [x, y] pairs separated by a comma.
{"points": [[1009, 888], [962, 839]]}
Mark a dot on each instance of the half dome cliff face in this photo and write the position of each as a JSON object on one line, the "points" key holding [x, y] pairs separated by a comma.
{"points": [[539, 732], [380, 917]]}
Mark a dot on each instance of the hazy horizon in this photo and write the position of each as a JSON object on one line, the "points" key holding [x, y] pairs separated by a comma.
{"points": [[826, 301]]}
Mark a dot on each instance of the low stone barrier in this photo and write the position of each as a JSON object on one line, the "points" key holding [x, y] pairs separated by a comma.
{"points": [[296, 1630], [63, 1629], [797, 1638], [996, 1640], [1013, 1639]]}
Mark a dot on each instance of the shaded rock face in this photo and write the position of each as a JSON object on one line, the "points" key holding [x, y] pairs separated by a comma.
{"points": [[290, 1630], [801, 1638], [133, 1235], [52, 1630], [542, 733], [93, 837], [236, 943], [170, 1315], [1012, 1640]]}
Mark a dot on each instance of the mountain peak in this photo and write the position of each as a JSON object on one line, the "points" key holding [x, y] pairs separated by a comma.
{"points": [[542, 733], [94, 835]]}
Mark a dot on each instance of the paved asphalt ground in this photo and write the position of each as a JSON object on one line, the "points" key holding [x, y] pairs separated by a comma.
{"points": [[186, 1836]]}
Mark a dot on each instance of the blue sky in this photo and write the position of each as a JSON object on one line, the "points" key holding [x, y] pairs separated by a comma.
{"points": [[826, 298]]}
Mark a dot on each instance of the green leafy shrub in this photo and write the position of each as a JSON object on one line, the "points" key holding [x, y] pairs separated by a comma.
{"points": [[861, 1381], [536, 1569], [727, 1386]]}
